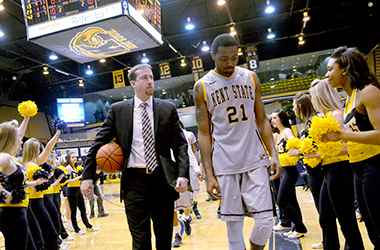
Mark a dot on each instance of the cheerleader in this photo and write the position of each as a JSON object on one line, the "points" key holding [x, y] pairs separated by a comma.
{"points": [[13, 213], [286, 198], [32, 158], [348, 69], [74, 194]]}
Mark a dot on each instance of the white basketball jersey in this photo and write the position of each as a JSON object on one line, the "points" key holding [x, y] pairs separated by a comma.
{"points": [[237, 146]]}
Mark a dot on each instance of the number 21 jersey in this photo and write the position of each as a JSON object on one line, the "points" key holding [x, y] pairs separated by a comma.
{"points": [[237, 146]]}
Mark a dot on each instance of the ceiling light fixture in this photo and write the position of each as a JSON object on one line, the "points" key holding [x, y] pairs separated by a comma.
{"points": [[232, 31], [240, 52], [1, 33], [300, 39], [102, 60], [306, 17], [144, 59], [270, 34], [183, 62], [205, 47], [81, 84], [1, 5], [89, 70], [46, 72], [221, 2], [53, 56], [269, 8], [189, 25]]}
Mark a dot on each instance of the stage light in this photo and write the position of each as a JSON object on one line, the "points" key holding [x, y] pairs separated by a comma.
{"points": [[221, 2], [189, 25], [183, 63], [205, 47], [89, 70], [144, 59], [270, 34], [269, 8], [46, 72], [53, 56]]}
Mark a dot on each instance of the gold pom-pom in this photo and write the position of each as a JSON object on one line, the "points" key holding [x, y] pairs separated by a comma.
{"points": [[63, 168], [319, 127], [27, 108], [30, 172], [307, 146], [286, 160], [312, 161], [294, 143]]}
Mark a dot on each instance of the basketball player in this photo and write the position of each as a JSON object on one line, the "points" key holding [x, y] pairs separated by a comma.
{"points": [[232, 121]]}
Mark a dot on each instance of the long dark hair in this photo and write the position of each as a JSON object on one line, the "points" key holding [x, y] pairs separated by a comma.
{"points": [[68, 160], [284, 118], [357, 71]]}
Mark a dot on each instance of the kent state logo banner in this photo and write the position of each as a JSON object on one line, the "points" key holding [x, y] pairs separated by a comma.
{"points": [[97, 42]]}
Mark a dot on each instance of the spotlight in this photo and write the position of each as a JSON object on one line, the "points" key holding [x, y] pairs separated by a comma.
{"points": [[46, 72], [240, 52], [1, 33], [144, 59], [306, 17], [189, 25], [269, 8], [89, 70], [221, 2], [300, 40], [205, 47], [102, 60], [183, 63], [53, 56], [270, 34], [232, 31], [81, 84]]}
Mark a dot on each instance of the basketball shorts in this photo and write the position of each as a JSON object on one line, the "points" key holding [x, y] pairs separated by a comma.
{"points": [[183, 202], [194, 181], [245, 194]]}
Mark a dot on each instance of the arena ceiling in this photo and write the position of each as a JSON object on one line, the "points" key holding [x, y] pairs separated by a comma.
{"points": [[333, 23]]}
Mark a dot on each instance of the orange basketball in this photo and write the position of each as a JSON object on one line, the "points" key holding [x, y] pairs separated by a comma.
{"points": [[110, 158]]}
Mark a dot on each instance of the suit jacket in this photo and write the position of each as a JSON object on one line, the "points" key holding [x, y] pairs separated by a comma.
{"points": [[119, 124]]}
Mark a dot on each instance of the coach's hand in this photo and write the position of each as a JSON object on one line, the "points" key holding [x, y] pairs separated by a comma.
{"points": [[181, 185], [87, 188], [275, 168]]}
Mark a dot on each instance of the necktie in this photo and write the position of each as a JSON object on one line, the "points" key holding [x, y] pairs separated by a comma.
{"points": [[147, 132]]}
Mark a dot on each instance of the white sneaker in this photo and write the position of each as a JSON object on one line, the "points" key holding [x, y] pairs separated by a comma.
{"points": [[287, 233], [80, 232], [93, 229], [69, 238], [317, 246], [71, 229], [279, 227], [296, 235]]}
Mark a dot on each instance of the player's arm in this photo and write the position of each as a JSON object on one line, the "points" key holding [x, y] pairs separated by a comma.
{"points": [[265, 130], [204, 138]]}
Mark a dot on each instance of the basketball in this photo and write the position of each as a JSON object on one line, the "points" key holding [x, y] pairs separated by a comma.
{"points": [[110, 158]]}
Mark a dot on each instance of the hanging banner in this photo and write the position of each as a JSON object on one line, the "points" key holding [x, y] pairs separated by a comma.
{"points": [[197, 64], [164, 70], [252, 57], [118, 79]]}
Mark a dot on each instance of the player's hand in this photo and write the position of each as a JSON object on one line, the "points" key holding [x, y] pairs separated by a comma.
{"points": [[87, 188], [200, 175], [212, 184], [275, 168], [181, 185]]}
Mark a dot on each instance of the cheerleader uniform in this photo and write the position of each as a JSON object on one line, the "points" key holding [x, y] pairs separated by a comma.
{"points": [[287, 199], [57, 202], [75, 198], [36, 204], [337, 200], [365, 161], [13, 217]]}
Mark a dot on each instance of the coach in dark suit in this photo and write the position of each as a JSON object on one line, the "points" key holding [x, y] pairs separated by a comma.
{"points": [[144, 187]]}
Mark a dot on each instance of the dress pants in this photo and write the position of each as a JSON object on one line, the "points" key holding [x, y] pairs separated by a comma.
{"points": [[148, 197]]}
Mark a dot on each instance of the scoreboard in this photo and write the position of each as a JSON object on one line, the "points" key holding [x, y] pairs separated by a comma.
{"points": [[41, 11], [87, 30]]}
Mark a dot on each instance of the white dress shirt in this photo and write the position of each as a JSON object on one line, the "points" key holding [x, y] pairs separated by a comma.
{"points": [[137, 156]]}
